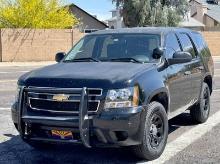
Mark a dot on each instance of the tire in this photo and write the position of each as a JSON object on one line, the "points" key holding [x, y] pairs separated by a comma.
{"points": [[156, 117], [200, 112]]}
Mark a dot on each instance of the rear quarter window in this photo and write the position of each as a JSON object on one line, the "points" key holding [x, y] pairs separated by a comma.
{"points": [[201, 44]]}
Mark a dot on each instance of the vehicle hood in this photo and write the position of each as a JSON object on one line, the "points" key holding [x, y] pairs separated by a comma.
{"points": [[84, 74]]}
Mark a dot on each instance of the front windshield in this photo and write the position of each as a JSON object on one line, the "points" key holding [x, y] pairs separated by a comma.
{"points": [[113, 47]]}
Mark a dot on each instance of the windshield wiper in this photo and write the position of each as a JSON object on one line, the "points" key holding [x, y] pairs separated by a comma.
{"points": [[83, 59], [126, 60]]}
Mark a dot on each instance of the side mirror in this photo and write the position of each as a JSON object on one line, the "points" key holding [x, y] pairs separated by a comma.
{"points": [[158, 53], [59, 56], [180, 57]]}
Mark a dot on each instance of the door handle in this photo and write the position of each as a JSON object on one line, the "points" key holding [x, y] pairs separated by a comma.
{"points": [[187, 73]]}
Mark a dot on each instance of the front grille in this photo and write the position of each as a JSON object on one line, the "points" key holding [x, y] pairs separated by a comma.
{"points": [[53, 102]]}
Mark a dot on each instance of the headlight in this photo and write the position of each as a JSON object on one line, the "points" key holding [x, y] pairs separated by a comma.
{"points": [[17, 93], [120, 98]]}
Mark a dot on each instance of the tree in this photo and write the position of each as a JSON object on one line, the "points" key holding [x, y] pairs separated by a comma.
{"points": [[35, 14], [152, 12]]}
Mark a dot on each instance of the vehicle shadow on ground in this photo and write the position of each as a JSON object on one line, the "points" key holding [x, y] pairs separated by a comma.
{"points": [[180, 121], [16, 151]]}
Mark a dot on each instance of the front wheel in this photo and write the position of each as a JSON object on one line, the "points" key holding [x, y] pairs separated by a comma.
{"points": [[155, 133]]}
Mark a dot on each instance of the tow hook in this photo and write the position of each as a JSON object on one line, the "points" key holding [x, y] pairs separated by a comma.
{"points": [[27, 130]]}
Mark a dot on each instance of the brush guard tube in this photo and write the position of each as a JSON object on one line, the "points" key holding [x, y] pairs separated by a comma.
{"points": [[20, 100], [84, 119]]}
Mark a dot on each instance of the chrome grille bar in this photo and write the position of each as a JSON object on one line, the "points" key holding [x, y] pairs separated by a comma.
{"points": [[47, 94]]}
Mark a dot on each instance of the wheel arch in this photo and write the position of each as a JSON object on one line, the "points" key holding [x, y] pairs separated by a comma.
{"points": [[162, 96], [209, 81]]}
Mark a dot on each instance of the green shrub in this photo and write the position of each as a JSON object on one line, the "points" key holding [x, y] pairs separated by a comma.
{"points": [[41, 14]]}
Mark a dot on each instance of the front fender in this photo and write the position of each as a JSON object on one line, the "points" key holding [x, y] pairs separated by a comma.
{"points": [[152, 83]]}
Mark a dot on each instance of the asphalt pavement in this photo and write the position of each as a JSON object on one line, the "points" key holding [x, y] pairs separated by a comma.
{"points": [[187, 142]]}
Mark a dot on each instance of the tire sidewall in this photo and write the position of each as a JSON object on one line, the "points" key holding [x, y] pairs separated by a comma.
{"points": [[153, 108], [201, 107]]}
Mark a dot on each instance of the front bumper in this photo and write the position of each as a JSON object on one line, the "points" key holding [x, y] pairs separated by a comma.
{"points": [[117, 127]]}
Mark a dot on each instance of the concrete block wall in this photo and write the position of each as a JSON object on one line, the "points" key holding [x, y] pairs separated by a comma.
{"points": [[213, 40], [20, 45], [35, 44]]}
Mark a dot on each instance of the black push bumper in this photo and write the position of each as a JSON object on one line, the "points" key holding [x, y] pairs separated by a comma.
{"points": [[117, 127]]}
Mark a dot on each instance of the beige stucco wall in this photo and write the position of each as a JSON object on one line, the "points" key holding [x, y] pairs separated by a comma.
{"points": [[209, 22], [199, 12], [198, 8], [35, 45], [213, 40]]}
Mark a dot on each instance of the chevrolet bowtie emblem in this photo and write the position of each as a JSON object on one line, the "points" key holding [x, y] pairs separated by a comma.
{"points": [[61, 97]]}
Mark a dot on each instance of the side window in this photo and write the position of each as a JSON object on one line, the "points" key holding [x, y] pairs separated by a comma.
{"points": [[172, 45], [187, 44], [201, 44], [199, 41]]}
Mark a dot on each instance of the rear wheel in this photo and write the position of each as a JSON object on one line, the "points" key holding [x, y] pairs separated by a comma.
{"points": [[200, 112], [155, 133]]}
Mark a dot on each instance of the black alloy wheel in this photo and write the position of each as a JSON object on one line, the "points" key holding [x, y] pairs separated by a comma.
{"points": [[155, 132]]}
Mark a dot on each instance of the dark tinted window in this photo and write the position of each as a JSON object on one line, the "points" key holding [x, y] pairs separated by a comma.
{"points": [[187, 44], [201, 44], [172, 44]]}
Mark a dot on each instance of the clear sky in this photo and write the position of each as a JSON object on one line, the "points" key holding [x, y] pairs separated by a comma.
{"points": [[100, 8]]}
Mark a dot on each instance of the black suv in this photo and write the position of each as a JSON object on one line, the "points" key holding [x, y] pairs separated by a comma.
{"points": [[117, 88]]}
